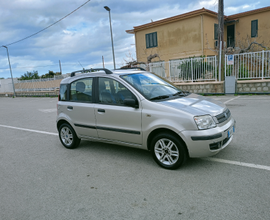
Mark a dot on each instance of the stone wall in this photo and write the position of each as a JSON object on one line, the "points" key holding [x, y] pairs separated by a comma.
{"points": [[253, 86], [243, 86], [53, 93], [202, 87]]}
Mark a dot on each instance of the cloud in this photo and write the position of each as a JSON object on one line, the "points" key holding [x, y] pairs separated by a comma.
{"points": [[210, 4], [241, 8], [84, 36]]}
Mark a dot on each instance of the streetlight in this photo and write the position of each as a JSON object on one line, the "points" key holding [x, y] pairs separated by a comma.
{"points": [[109, 10], [10, 71]]}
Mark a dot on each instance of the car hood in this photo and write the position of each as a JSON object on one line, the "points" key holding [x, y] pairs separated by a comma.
{"points": [[196, 105]]}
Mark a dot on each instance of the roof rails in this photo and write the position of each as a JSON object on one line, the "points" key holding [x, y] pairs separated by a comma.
{"points": [[90, 70], [126, 68]]}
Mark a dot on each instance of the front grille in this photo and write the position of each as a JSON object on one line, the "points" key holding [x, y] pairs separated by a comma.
{"points": [[216, 146], [225, 141], [223, 116]]}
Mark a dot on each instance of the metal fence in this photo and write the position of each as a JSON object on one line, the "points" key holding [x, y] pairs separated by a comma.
{"points": [[46, 84], [157, 68], [255, 65], [186, 70], [193, 69]]}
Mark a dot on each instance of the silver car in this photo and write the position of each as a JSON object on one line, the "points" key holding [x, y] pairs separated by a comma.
{"points": [[139, 109]]}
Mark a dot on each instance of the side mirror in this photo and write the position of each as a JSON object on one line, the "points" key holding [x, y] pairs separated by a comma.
{"points": [[131, 102]]}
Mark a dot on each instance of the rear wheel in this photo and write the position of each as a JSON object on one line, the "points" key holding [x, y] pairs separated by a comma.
{"points": [[168, 151], [68, 136]]}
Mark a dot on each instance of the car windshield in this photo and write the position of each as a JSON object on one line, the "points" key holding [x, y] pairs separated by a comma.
{"points": [[152, 86]]}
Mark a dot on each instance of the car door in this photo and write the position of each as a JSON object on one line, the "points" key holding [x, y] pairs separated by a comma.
{"points": [[115, 121], [81, 109]]}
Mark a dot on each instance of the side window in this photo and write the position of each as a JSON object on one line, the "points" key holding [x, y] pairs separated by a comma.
{"points": [[63, 92], [81, 90], [254, 28], [113, 92]]}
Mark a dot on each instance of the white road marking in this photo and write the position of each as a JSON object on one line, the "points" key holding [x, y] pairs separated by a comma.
{"points": [[251, 165], [232, 99], [48, 110], [30, 130]]}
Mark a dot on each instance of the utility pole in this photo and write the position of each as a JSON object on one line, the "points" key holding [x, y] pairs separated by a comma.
{"points": [[60, 67], [221, 38], [14, 94], [103, 62], [109, 10]]}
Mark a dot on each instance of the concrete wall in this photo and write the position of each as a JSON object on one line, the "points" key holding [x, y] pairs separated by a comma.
{"points": [[243, 28], [209, 37], [192, 34], [175, 40], [6, 85]]}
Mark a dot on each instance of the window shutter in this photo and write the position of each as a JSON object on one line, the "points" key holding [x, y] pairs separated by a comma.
{"points": [[156, 39], [151, 40], [147, 40], [216, 31]]}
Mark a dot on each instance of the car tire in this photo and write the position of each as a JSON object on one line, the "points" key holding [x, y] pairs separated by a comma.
{"points": [[68, 137], [168, 151]]}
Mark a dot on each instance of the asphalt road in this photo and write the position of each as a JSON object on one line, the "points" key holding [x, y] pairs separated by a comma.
{"points": [[41, 180]]}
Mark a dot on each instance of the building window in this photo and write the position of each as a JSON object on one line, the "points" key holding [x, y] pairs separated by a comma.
{"points": [[216, 32], [151, 40], [254, 28]]}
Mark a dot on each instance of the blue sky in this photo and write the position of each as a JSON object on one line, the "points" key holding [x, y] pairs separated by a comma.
{"points": [[84, 37]]}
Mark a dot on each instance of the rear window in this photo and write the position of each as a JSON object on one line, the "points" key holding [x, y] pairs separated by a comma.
{"points": [[81, 90], [63, 92]]}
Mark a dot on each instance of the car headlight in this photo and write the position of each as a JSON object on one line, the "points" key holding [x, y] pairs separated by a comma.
{"points": [[204, 122]]}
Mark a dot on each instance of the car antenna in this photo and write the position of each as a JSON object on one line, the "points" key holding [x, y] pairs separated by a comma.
{"points": [[81, 64]]}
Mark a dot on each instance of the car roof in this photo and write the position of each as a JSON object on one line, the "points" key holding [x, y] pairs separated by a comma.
{"points": [[100, 72]]}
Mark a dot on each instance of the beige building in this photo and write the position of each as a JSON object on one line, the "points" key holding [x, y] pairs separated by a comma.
{"points": [[195, 34]]}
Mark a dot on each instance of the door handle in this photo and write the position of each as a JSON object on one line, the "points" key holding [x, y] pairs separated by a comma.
{"points": [[70, 107], [101, 110]]}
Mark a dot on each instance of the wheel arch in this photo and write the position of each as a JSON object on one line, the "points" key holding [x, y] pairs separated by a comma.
{"points": [[164, 130], [62, 121]]}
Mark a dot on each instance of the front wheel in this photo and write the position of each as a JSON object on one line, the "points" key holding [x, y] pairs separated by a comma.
{"points": [[168, 151], [68, 136]]}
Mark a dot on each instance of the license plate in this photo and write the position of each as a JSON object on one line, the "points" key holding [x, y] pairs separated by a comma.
{"points": [[231, 131]]}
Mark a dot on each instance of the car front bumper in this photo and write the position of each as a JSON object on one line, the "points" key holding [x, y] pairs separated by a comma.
{"points": [[205, 143]]}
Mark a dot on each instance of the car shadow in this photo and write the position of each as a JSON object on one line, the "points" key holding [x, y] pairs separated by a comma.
{"points": [[136, 155]]}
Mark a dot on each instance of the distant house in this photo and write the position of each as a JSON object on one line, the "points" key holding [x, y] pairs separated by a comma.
{"points": [[195, 33]]}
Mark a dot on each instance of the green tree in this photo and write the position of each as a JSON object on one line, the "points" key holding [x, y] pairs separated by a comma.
{"points": [[30, 75], [50, 74]]}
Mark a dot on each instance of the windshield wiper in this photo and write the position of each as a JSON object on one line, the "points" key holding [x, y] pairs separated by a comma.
{"points": [[179, 93], [160, 97], [182, 93]]}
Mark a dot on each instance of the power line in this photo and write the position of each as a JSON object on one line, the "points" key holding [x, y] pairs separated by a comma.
{"points": [[50, 65], [50, 25]]}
